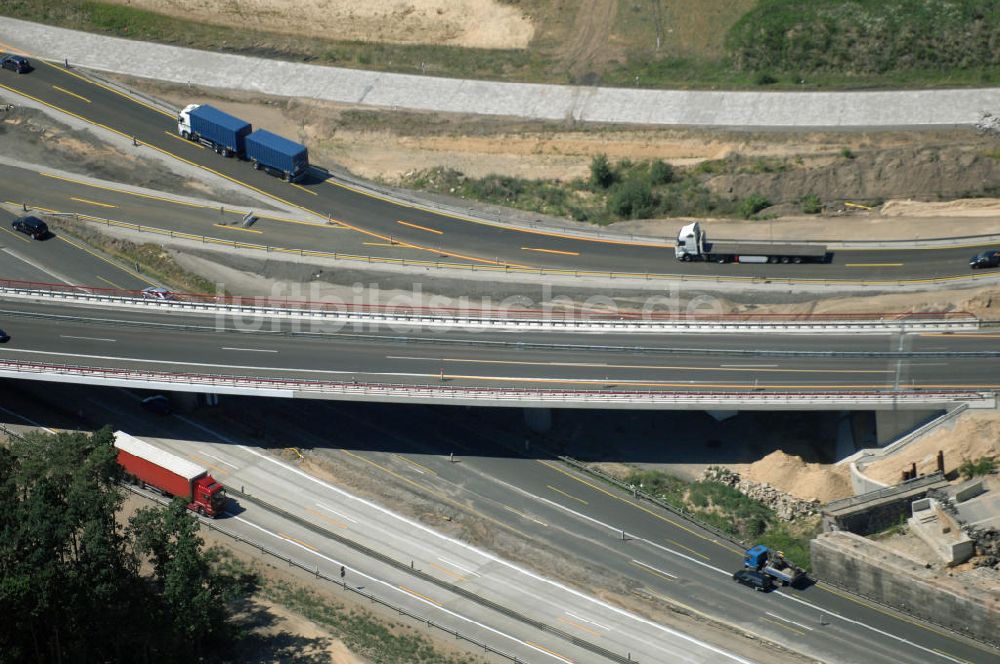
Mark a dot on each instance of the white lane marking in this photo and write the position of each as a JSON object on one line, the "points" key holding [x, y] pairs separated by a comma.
{"points": [[655, 569], [210, 365], [457, 566], [250, 350], [748, 366], [485, 554], [341, 515], [587, 620], [398, 589], [220, 460], [24, 259], [28, 420], [827, 612], [70, 336], [722, 571], [791, 622]]}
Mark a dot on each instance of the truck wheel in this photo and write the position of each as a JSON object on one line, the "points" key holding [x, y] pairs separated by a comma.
{"points": [[784, 259], [288, 177], [686, 258], [720, 260], [772, 259], [797, 260], [256, 165], [186, 135]]}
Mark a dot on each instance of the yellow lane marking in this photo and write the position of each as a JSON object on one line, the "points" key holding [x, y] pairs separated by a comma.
{"points": [[454, 575], [110, 89], [157, 148], [127, 192], [437, 494], [110, 283], [71, 94], [525, 516], [325, 517], [551, 251], [412, 462], [421, 228], [560, 491], [577, 625], [662, 367], [181, 138], [483, 222], [873, 265], [109, 262], [654, 572], [292, 539], [644, 509], [416, 594], [308, 191], [17, 235], [90, 202], [378, 244], [790, 629], [551, 652], [237, 228]]}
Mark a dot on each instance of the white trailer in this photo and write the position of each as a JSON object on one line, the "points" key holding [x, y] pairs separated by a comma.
{"points": [[693, 245]]}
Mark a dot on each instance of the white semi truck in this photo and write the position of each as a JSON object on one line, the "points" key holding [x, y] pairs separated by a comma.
{"points": [[693, 245]]}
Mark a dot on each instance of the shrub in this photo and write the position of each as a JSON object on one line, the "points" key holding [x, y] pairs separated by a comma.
{"points": [[811, 204], [846, 153], [973, 468], [601, 174], [660, 172], [752, 204], [633, 199], [764, 78]]}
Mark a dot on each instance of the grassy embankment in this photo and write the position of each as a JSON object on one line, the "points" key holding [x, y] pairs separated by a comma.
{"points": [[615, 191], [786, 44], [730, 511]]}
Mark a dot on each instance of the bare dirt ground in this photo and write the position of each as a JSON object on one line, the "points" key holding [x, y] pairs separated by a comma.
{"points": [[468, 23], [795, 476], [971, 435]]}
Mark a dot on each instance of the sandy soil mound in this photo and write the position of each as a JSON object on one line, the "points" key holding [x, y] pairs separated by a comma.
{"points": [[963, 208], [971, 435], [470, 23], [807, 481]]}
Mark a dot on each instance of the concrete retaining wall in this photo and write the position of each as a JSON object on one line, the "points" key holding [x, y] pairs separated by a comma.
{"points": [[968, 603]]}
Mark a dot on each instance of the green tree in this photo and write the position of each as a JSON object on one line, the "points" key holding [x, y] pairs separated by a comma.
{"points": [[660, 172], [602, 175]]}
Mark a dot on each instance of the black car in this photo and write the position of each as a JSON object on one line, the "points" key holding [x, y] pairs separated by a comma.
{"points": [[989, 258], [4, 337], [16, 63], [755, 580], [32, 226]]}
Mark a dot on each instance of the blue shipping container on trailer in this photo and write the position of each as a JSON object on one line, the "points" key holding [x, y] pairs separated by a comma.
{"points": [[220, 128], [275, 153]]}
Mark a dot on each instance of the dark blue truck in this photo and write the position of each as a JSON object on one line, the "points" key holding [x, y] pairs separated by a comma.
{"points": [[213, 128], [277, 155]]}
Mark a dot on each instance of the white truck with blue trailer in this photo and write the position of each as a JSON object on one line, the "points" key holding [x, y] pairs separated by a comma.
{"points": [[214, 129]]}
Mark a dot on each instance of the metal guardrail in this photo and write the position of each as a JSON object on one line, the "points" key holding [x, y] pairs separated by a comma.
{"points": [[461, 394], [542, 319], [499, 266], [315, 571], [868, 496]]}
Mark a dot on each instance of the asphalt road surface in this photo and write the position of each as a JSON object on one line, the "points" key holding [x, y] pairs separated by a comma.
{"points": [[663, 558], [382, 225], [180, 342]]}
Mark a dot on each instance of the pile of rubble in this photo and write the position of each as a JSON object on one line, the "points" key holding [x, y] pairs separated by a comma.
{"points": [[785, 506]]}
